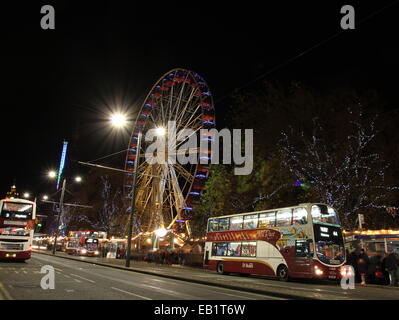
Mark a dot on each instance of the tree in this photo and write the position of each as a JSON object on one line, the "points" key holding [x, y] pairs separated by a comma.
{"points": [[345, 169], [108, 212]]}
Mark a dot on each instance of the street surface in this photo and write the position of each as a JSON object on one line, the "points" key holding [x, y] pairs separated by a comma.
{"points": [[82, 281], [75, 279]]}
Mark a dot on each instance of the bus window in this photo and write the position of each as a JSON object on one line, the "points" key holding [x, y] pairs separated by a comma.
{"points": [[250, 221], [267, 220], [223, 224], [220, 224], [248, 249], [234, 249], [213, 225], [322, 213], [219, 249], [284, 218], [236, 223], [299, 216], [302, 248]]}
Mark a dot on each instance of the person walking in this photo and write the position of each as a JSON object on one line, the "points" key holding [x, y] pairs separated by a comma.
{"points": [[391, 265], [362, 264]]}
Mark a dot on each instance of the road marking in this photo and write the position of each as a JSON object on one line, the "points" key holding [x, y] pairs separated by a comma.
{"points": [[58, 269], [66, 276], [75, 275], [78, 281], [4, 292], [24, 271], [16, 271], [132, 294], [69, 290]]}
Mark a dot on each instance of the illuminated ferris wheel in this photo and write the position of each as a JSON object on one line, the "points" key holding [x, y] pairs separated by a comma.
{"points": [[167, 193]]}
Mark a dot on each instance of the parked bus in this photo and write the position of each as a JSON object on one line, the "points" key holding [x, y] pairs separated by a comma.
{"points": [[303, 241], [17, 224]]}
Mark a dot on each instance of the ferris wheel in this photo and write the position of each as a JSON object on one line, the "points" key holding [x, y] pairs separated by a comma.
{"points": [[167, 193]]}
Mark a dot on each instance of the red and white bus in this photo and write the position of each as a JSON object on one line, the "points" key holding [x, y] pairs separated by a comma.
{"points": [[85, 243], [303, 241], [17, 224]]}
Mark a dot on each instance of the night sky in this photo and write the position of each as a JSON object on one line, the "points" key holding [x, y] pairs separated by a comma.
{"points": [[105, 55]]}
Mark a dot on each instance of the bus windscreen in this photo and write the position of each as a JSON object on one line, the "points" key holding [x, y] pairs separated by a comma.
{"points": [[14, 210]]}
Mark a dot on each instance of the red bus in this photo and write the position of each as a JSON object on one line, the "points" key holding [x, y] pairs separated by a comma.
{"points": [[85, 243], [17, 224], [303, 241]]}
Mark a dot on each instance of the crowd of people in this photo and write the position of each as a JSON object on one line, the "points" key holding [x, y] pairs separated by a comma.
{"points": [[374, 268]]}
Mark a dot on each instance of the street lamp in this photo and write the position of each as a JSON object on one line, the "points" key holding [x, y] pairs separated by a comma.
{"points": [[160, 131], [161, 232], [26, 195], [52, 174], [45, 197], [118, 120]]}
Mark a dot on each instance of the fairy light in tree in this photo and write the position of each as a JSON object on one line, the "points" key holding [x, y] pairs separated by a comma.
{"points": [[351, 179]]}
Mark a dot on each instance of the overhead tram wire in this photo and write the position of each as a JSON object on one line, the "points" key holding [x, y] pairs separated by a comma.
{"points": [[305, 52], [110, 155]]}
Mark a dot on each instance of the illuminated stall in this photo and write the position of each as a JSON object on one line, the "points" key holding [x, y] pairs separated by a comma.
{"points": [[376, 241]]}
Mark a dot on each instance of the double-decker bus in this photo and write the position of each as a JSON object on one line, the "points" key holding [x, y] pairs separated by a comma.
{"points": [[85, 243], [304, 241], [17, 224]]}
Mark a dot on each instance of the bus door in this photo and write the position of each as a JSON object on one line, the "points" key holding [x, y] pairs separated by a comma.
{"points": [[302, 263]]}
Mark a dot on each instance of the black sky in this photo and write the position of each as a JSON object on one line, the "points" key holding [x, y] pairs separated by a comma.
{"points": [[60, 84]]}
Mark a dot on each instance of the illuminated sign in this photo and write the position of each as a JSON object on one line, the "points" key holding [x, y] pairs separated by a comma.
{"points": [[62, 162]]}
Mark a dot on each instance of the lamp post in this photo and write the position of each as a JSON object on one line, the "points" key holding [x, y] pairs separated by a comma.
{"points": [[132, 203], [61, 207]]}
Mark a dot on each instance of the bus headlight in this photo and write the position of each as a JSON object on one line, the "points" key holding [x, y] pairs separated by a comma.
{"points": [[346, 271], [96, 253], [83, 251], [318, 271]]}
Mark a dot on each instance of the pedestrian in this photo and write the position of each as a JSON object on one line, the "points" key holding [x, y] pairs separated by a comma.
{"points": [[391, 265], [362, 264]]}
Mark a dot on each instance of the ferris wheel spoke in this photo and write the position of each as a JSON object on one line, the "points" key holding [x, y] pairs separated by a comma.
{"points": [[186, 109], [178, 144], [177, 105], [185, 173]]}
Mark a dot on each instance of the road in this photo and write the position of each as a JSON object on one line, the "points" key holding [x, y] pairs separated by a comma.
{"points": [[82, 281]]}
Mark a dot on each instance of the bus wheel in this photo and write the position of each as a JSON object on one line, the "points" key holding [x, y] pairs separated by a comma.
{"points": [[282, 273], [220, 268]]}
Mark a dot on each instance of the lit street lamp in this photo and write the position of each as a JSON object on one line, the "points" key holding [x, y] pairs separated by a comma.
{"points": [[26, 195], [52, 174], [118, 120], [45, 197]]}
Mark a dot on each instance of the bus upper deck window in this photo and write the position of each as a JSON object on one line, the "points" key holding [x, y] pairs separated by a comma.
{"points": [[299, 216], [284, 217], [267, 220], [322, 213], [250, 221], [236, 223]]}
